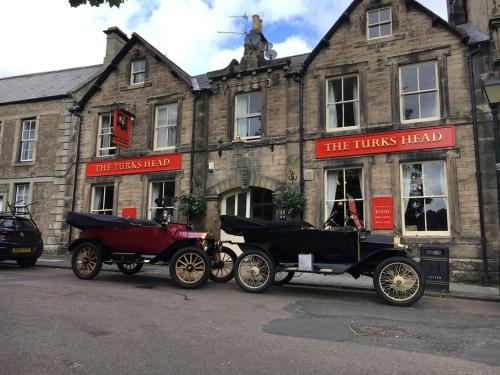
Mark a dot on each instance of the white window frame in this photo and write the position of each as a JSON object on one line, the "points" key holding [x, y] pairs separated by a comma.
{"points": [[343, 102], [368, 25], [2, 203], [151, 202], [27, 141], [134, 72], [105, 151], [425, 233], [21, 200], [165, 126], [419, 92], [102, 210], [346, 202], [248, 116], [235, 194]]}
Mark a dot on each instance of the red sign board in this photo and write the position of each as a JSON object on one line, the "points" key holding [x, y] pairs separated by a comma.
{"points": [[122, 125], [129, 212], [382, 213], [145, 164], [384, 142]]}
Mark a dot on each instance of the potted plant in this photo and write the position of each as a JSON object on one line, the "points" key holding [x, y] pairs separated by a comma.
{"points": [[193, 205], [289, 201]]}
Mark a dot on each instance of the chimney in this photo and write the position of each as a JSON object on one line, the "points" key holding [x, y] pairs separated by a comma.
{"points": [[256, 24], [115, 40], [457, 12]]}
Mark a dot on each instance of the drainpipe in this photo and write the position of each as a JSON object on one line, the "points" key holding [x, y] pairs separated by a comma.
{"points": [[75, 111], [484, 252], [300, 81], [191, 174]]}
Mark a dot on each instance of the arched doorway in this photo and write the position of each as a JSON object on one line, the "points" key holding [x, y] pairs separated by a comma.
{"points": [[253, 202]]}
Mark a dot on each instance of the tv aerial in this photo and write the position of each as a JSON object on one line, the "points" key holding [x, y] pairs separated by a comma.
{"points": [[244, 17]]}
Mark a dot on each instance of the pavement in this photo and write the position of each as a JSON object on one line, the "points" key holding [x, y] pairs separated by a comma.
{"points": [[344, 281]]}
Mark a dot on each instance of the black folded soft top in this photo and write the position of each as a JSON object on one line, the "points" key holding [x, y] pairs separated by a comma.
{"points": [[81, 220], [235, 224]]}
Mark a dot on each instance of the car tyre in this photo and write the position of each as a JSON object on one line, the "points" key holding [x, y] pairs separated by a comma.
{"points": [[86, 261], [223, 270], [26, 262], [399, 281], [189, 267], [254, 271], [283, 277], [129, 268]]}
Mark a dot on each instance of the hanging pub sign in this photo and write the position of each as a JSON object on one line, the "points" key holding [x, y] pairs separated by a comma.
{"points": [[382, 213], [122, 126], [385, 142]]}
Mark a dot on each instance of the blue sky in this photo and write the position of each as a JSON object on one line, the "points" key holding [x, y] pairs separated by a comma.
{"points": [[185, 30]]}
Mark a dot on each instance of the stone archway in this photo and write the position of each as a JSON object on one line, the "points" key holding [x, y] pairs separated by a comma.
{"points": [[244, 182]]}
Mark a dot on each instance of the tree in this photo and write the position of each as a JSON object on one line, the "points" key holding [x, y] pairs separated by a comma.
{"points": [[96, 3]]}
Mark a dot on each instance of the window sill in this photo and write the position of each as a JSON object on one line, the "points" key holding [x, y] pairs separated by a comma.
{"points": [[384, 39], [423, 123], [341, 131], [136, 86], [425, 238], [170, 150], [23, 163]]}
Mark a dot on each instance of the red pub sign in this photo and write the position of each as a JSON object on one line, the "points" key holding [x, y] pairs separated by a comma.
{"points": [[382, 213], [384, 142], [122, 125], [145, 164]]}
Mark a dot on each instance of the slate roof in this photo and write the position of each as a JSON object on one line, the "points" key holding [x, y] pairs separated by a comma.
{"points": [[475, 35], [43, 85]]}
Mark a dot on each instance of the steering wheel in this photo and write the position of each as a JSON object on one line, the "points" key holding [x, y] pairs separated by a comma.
{"points": [[330, 221]]}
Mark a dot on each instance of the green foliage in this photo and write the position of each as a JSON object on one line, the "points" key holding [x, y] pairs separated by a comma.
{"points": [[193, 204], [289, 200], [96, 3]]}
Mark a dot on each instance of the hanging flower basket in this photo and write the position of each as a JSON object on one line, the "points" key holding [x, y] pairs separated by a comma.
{"points": [[289, 201], [192, 204]]}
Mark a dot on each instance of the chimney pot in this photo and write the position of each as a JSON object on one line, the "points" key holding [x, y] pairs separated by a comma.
{"points": [[256, 24]]}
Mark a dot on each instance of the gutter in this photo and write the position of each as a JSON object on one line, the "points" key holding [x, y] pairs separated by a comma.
{"points": [[300, 81], [484, 249], [197, 95], [75, 111]]}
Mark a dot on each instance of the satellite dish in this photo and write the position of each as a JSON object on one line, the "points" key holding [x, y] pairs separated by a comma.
{"points": [[269, 46], [271, 54], [253, 38]]}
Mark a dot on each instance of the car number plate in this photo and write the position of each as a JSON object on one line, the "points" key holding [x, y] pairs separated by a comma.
{"points": [[21, 250]]}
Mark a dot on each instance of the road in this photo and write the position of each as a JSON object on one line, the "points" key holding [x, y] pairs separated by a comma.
{"points": [[53, 323]]}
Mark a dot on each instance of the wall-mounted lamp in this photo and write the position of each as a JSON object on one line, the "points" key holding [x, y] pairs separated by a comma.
{"points": [[219, 147]]}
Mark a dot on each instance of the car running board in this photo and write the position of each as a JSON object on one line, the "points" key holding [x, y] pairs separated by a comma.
{"points": [[323, 268]]}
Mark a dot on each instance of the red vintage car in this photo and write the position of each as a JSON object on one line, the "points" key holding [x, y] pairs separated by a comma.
{"points": [[192, 256]]}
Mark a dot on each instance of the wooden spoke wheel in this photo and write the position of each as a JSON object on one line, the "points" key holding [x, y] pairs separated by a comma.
{"points": [[223, 265], [189, 267], [129, 268], [86, 261]]}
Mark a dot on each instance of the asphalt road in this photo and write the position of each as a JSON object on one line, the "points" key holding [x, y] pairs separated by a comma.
{"points": [[53, 323]]}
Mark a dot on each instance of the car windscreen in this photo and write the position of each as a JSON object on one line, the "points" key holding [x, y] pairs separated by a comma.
{"points": [[23, 224]]}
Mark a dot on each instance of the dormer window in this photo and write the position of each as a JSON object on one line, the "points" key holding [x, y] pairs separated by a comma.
{"points": [[379, 23], [138, 71]]}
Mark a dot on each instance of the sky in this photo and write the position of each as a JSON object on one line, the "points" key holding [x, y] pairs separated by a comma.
{"points": [[46, 35]]}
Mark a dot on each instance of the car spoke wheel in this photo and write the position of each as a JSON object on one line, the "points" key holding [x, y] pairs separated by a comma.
{"points": [[399, 281], [86, 261], [223, 265], [282, 277], [189, 267], [129, 268], [255, 271]]}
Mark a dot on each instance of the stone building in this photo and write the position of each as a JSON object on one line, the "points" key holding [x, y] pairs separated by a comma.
{"points": [[36, 147]]}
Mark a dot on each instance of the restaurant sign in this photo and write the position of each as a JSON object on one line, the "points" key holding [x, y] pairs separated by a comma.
{"points": [[385, 142], [145, 164], [122, 125], [382, 213]]}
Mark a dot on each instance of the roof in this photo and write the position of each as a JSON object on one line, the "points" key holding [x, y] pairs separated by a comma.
{"points": [[46, 85], [345, 16], [475, 35]]}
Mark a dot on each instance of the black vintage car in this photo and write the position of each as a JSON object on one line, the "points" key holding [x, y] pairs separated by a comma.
{"points": [[20, 239], [273, 251]]}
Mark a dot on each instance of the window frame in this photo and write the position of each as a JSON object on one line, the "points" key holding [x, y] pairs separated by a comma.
{"points": [[419, 92], [102, 210], [343, 102], [25, 200], [2, 203], [28, 141], [166, 126], [326, 201], [425, 233], [150, 196], [133, 73], [247, 116], [100, 151], [378, 24]]}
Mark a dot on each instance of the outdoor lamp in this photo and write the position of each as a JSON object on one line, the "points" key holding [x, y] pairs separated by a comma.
{"points": [[491, 91]]}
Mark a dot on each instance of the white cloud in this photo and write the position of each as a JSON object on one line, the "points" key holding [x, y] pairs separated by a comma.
{"points": [[49, 35]]}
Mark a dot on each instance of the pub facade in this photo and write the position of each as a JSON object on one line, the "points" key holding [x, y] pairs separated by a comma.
{"points": [[379, 111]]}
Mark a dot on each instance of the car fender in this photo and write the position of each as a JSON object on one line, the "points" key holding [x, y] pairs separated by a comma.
{"points": [[248, 246], [371, 261], [169, 252], [77, 242]]}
